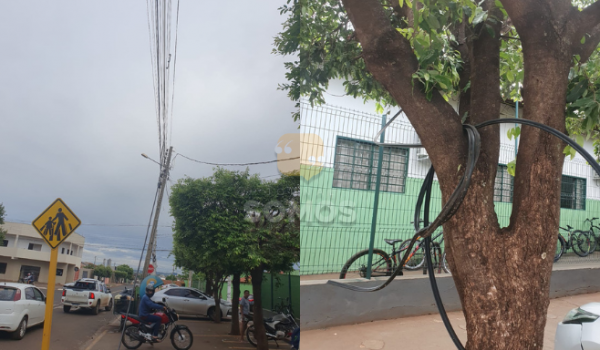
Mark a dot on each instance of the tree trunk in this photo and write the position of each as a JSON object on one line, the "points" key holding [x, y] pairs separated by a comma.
{"points": [[209, 281], [235, 305], [259, 326], [503, 275], [217, 297]]}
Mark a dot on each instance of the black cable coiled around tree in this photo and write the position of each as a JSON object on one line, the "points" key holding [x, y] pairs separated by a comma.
{"points": [[454, 202]]}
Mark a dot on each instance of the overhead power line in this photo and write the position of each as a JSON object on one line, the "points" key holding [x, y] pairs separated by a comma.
{"points": [[237, 164]]}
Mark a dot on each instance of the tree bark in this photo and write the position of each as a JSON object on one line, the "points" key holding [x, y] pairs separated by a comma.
{"points": [[217, 297], [259, 326], [235, 305]]}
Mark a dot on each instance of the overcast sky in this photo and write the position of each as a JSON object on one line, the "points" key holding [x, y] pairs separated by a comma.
{"points": [[77, 109]]}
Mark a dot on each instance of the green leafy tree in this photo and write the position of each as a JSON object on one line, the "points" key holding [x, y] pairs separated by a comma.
{"points": [[416, 54], [119, 275], [171, 278], [102, 271], [274, 238], [127, 270], [89, 266], [210, 228], [2, 216]]}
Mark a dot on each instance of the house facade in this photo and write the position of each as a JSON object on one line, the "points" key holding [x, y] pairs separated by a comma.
{"points": [[24, 251]]}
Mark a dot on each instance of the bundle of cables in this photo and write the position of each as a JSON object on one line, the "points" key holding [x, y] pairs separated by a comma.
{"points": [[452, 205]]}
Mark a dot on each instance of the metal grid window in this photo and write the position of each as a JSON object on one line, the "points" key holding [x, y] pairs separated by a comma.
{"points": [[2, 268], [355, 166], [572, 193], [503, 188]]}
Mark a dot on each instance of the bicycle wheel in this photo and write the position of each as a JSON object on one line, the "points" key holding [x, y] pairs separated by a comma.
{"points": [[595, 234], [417, 259], [356, 267], [582, 244], [445, 265], [560, 248]]}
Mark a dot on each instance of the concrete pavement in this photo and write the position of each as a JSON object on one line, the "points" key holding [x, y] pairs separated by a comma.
{"points": [[423, 332], [207, 335]]}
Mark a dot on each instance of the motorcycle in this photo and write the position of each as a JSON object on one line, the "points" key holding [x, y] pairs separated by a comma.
{"points": [[279, 327], [141, 332]]}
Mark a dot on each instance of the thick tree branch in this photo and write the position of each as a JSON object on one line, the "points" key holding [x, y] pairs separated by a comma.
{"points": [[586, 23], [390, 59]]}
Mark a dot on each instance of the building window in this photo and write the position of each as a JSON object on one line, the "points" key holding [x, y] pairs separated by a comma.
{"points": [[62, 251], [36, 247], [2, 268], [59, 272], [4, 243], [355, 166], [71, 252], [572, 193], [503, 188]]}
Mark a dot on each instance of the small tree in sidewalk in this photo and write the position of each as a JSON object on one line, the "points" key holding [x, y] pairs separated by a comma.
{"points": [[274, 239], [211, 227]]}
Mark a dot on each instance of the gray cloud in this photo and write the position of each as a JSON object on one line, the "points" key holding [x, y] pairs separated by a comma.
{"points": [[77, 108]]}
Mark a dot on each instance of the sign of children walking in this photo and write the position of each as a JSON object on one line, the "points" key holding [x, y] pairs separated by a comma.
{"points": [[56, 223]]}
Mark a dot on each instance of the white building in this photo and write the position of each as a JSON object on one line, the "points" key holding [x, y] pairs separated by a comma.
{"points": [[24, 251]]}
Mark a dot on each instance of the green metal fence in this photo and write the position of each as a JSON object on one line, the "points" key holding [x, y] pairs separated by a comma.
{"points": [[277, 289], [338, 200]]}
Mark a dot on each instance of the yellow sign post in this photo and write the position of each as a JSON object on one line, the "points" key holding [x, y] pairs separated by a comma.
{"points": [[54, 224]]}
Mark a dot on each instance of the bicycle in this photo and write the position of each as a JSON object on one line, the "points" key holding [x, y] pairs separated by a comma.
{"points": [[283, 306], [577, 240], [384, 264], [592, 232]]}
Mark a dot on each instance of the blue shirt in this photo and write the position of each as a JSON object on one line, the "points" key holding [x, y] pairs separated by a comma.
{"points": [[146, 306], [245, 303]]}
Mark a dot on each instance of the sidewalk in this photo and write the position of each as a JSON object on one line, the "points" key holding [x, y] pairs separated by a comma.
{"points": [[207, 335], [423, 332]]}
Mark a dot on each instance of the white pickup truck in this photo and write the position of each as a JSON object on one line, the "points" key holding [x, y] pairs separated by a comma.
{"points": [[89, 294]]}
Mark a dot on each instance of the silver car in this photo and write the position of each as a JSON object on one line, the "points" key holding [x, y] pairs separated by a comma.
{"points": [[192, 302]]}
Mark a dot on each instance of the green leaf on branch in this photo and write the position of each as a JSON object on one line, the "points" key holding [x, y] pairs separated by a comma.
{"points": [[580, 140], [511, 167], [577, 91], [583, 40], [570, 151], [516, 131]]}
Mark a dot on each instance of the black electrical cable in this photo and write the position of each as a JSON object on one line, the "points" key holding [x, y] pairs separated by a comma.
{"points": [[454, 202]]}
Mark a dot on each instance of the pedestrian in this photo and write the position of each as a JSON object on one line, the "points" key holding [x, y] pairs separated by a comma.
{"points": [[28, 279], [245, 312]]}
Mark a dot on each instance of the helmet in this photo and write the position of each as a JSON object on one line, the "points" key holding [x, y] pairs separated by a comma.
{"points": [[149, 288]]}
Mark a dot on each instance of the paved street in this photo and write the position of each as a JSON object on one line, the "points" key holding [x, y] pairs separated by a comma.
{"points": [[69, 331]]}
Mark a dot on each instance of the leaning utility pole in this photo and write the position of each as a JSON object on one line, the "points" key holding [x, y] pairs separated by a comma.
{"points": [[164, 175]]}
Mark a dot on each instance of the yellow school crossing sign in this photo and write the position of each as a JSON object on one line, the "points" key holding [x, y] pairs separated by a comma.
{"points": [[56, 223]]}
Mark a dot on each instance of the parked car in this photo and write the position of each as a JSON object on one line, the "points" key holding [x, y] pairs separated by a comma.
{"points": [[21, 306], [192, 302], [87, 294], [580, 329]]}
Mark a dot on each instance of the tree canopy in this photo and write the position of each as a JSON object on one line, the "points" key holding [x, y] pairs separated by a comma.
{"points": [[439, 33], [125, 271]]}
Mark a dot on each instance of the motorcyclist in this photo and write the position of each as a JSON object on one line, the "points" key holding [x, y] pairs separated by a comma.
{"points": [[145, 312]]}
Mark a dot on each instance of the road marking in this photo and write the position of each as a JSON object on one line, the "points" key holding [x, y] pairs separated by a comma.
{"points": [[96, 340]]}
